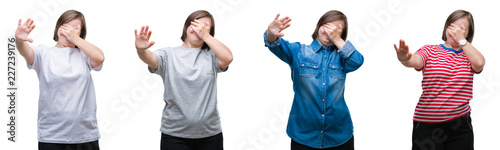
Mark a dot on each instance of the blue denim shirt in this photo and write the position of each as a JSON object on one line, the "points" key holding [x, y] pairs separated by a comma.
{"points": [[319, 117]]}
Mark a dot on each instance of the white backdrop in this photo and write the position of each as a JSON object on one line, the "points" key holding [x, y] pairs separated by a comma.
{"points": [[255, 94]]}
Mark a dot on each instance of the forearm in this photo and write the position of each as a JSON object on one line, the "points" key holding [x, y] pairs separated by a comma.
{"points": [[339, 43], [475, 57], [271, 38], [414, 62], [224, 55], [148, 57], [26, 51], [93, 52]]}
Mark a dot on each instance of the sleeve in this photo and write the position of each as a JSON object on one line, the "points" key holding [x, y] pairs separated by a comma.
{"points": [[215, 64], [87, 60], [161, 54], [38, 52], [423, 52], [351, 57], [283, 49]]}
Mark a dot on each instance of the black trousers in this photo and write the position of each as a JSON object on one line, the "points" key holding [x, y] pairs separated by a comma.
{"points": [[176, 143], [57, 146], [349, 145], [455, 134]]}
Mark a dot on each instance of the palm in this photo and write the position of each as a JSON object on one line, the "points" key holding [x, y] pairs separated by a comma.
{"points": [[142, 39], [23, 30], [403, 51], [142, 42], [279, 25]]}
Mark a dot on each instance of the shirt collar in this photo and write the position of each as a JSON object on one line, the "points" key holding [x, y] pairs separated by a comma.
{"points": [[451, 49], [316, 46]]}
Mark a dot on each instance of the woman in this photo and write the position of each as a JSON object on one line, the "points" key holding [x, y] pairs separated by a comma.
{"points": [[67, 101], [190, 117], [319, 118], [442, 116]]}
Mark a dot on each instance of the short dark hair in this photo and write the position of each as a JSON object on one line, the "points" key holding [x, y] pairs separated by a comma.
{"points": [[330, 16], [67, 17], [454, 17], [197, 15]]}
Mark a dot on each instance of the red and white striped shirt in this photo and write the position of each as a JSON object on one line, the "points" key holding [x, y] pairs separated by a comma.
{"points": [[446, 85]]}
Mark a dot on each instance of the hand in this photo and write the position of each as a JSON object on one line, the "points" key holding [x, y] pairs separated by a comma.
{"points": [[333, 31], [402, 52], [201, 29], [142, 39], [456, 32], [69, 32], [277, 26], [24, 30]]}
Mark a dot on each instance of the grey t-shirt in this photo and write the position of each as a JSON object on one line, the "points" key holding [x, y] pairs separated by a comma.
{"points": [[67, 101], [190, 81]]}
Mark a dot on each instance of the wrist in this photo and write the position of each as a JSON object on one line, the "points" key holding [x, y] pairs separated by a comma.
{"points": [[463, 42]]}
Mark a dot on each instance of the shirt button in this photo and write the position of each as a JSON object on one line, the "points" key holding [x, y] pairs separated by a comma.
{"points": [[332, 66], [323, 100], [323, 69], [314, 67], [321, 131], [302, 65], [325, 55], [323, 83], [322, 115]]}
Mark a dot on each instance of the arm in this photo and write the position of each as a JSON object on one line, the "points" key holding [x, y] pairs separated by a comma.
{"points": [[334, 33], [475, 57], [406, 58], [274, 29], [224, 55], [279, 47], [142, 44], [22, 40], [95, 54], [352, 58]]}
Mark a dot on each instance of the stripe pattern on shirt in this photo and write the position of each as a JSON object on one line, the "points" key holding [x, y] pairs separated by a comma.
{"points": [[446, 85]]}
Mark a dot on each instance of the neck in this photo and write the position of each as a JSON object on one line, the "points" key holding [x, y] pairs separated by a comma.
{"points": [[322, 44], [187, 44], [60, 45], [451, 46]]}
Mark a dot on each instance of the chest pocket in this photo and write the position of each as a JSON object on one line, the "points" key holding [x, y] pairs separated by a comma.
{"points": [[308, 69], [336, 71]]}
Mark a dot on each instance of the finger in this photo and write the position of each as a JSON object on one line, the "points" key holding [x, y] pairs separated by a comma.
{"points": [[146, 30], [286, 26], [396, 48], [135, 31], [142, 30], [151, 43], [30, 22], [196, 23], [30, 40], [287, 21], [26, 22], [149, 34], [277, 17], [19, 24], [32, 27], [401, 43], [283, 19], [340, 26]]}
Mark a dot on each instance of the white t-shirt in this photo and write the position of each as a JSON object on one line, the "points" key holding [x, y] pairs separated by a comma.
{"points": [[67, 102]]}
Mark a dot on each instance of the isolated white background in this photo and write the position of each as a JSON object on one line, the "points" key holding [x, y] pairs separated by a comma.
{"points": [[255, 94]]}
